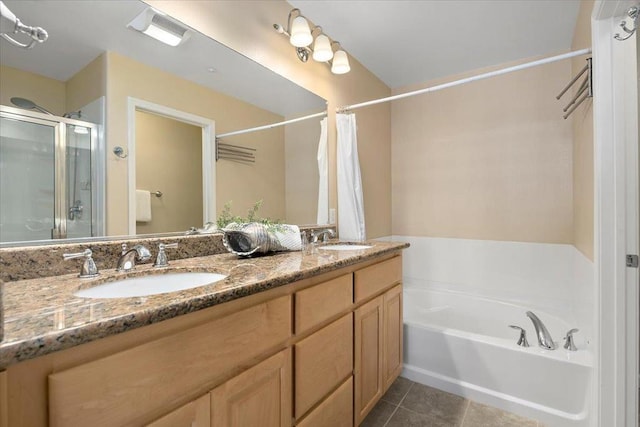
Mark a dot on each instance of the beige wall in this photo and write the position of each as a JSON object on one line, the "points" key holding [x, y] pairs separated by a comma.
{"points": [[169, 159], [56, 96], [129, 78], [301, 187], [490, 159], [47, 93], [247, 27], [244, 184], [583, 165], [87, 85]]}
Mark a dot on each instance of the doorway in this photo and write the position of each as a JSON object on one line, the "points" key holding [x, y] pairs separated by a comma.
{"points": [[172, 158], [169, 168]]}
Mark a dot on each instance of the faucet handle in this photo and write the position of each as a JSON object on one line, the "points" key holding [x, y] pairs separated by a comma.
{"points": [[89, 268], [569, 344], [522, 340], [161, 259]]}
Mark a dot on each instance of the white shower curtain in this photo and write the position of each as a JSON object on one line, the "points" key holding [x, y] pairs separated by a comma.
{"points": [[350, 201], [323, 172]]}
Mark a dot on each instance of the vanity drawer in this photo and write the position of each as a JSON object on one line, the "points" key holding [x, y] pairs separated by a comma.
{"points": [[335, 411], [129, 387], [374, 279], [322, 361], [320, 302]]}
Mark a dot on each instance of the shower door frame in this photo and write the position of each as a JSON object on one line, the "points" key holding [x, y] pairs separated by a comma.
{"points": [[61, 210], [616, 221]]}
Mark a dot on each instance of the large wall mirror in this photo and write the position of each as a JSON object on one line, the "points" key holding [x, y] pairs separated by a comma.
{"points": [[108, 132]]}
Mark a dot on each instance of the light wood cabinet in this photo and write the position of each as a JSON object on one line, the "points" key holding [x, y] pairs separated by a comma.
{"points": [[194, 414], [375, 278], [392, 345], [368, 357], [319, 303], [323, 360], [335, 411], [261, 396], [4, 400], [314, 353], [378, 336], [126, 387]]}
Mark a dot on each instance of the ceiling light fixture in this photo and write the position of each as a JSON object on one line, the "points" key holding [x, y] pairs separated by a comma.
{"points": [[302, 37], [160, 26]]}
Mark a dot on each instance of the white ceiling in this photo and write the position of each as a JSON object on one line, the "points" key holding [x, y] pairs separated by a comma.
{"points": [[79, 31], [407, 42], [402, 42]]}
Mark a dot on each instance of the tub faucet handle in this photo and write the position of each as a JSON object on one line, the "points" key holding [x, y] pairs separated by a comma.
{"points": [[569, 344], [522, 340]]}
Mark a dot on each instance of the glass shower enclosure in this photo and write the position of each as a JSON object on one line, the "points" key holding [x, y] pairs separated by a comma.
{"points": [[49, 180]]}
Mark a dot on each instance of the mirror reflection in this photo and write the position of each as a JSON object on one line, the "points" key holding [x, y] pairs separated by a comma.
{"points": [[159, 108]]}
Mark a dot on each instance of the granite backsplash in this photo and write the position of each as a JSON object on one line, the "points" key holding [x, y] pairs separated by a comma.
{"points": [[31, 262]]}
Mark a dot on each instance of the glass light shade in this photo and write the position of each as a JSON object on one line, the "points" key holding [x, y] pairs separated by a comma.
{"points": [[300, 32], [340, 63], [322, 51]]}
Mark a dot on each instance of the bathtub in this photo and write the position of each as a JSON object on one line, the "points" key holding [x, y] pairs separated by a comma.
{"points": [[461, 343]]}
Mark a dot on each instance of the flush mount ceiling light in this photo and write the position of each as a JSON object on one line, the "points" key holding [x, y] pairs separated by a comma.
{"points": [[160, 26], [302, 37]]}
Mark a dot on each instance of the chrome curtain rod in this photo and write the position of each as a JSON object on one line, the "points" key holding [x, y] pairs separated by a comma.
{"points": [[273, 125], [467, 80]]}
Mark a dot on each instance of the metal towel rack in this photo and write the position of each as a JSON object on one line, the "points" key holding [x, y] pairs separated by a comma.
{"points": [[584, 91], [234, 153]]}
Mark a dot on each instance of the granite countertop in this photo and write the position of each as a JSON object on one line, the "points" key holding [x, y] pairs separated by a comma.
{"points": [[42, 315]]}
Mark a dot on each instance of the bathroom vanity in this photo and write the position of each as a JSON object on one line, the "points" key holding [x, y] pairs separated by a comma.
{"points": [[309, 338]]}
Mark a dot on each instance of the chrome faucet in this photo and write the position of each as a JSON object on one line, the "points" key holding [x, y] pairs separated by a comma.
{"points": [[127, 260], [544, 337], [324, 233]]}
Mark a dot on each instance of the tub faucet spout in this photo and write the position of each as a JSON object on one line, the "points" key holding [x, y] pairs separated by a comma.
{"points": [[544, 337]]}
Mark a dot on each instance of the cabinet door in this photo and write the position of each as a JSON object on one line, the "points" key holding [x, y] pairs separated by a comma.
{"points": [[392, 355], [368, 357], [193, 414], [260, 396]]}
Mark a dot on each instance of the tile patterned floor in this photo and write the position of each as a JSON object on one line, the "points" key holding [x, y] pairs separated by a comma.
{"points": [[409, 404]]}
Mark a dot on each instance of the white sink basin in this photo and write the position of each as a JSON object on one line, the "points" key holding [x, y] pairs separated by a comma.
{"points": [[150, 285], [344, 247]]}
